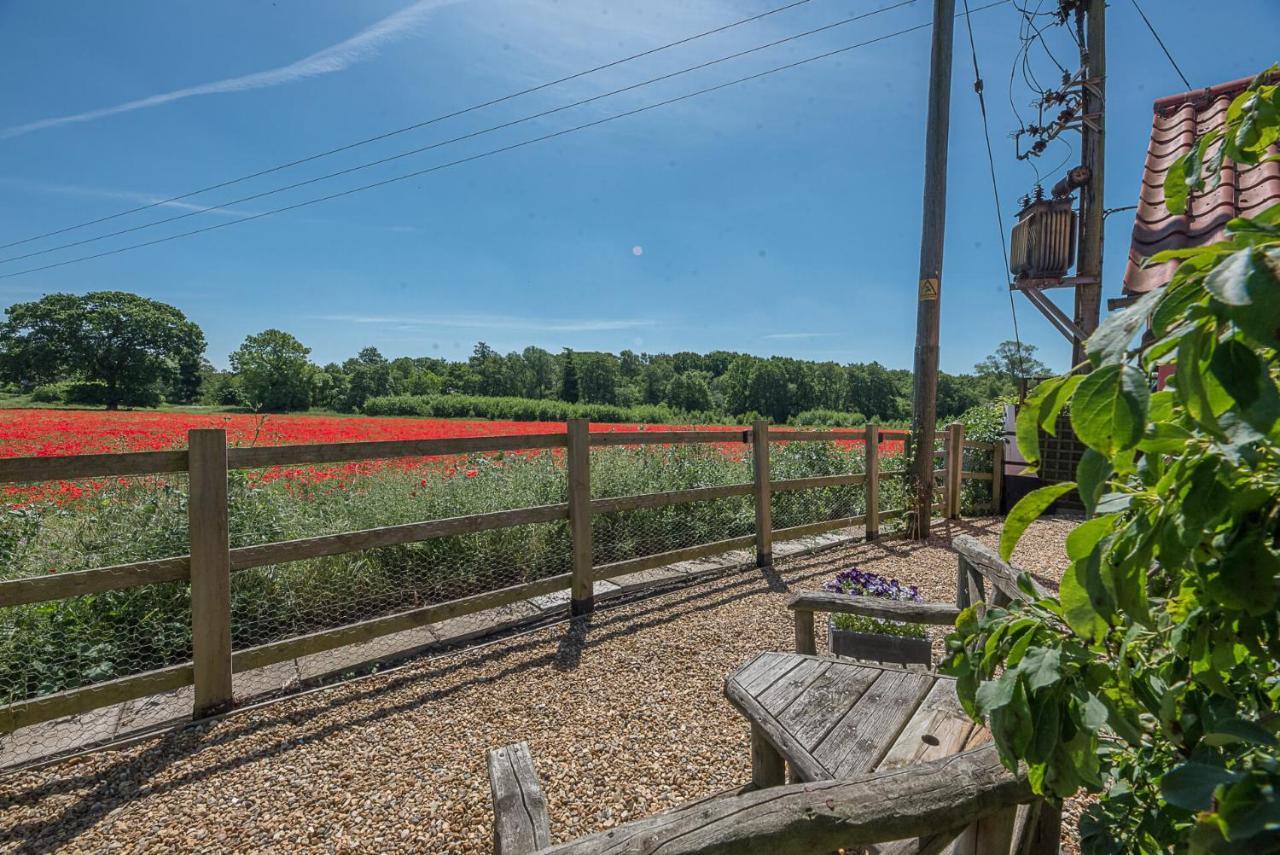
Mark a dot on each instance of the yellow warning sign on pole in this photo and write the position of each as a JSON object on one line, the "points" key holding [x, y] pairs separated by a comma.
{"points": [[929, 289]]}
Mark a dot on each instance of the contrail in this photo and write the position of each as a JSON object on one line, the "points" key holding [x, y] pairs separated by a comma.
{"points": [[364, 45]]}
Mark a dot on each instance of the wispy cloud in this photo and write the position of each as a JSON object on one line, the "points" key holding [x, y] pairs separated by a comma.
{"points": [[497, 322], [130, 196], [364, 45], [793, 336]]}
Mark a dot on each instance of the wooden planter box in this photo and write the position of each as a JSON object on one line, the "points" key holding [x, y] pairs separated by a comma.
{"points": [[876, 647]]}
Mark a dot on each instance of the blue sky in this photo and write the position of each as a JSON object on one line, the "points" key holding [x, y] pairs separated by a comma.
{"points": [[781, 216]]}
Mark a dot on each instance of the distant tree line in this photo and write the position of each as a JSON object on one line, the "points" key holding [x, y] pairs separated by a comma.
{"points": [[118, 349]]}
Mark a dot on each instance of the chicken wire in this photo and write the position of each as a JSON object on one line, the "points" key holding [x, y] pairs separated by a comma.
{"points": [[650, 531], [976, 496], [821, 504], [79, 641], [282, 601]]}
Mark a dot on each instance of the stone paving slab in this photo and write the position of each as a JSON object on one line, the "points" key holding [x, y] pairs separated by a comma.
{"points": [[560, 599], [357, 656]]}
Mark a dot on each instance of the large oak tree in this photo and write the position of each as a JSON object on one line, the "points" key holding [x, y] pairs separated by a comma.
{"points": [[129, 344]]}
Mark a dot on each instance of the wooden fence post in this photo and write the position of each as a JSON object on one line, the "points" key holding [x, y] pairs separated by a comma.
{"points": [[997, 476], [873, 481], [763, 493], [578, 460], [955, 469], [210, 569]]}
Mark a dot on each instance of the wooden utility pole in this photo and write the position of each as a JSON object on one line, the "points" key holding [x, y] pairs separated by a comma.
{"points": [[1093, 158], [924, 411]]}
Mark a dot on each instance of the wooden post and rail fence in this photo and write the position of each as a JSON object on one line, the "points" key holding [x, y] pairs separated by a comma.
{"points": [[212, 561]]}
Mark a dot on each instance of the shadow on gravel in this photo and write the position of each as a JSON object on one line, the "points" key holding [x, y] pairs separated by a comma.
{"points": [[569, 650], [79, 802]]}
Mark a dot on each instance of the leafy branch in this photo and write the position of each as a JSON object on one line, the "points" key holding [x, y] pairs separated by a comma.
{"points": [[1153, 677]]}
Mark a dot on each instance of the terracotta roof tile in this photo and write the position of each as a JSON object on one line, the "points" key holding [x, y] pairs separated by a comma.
{"points": [[1178, 121]]}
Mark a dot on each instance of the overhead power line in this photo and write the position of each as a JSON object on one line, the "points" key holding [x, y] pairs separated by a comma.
{"points": [[978, 87], [388, 134], [1160, 42], [467, 136], [492, 152]]}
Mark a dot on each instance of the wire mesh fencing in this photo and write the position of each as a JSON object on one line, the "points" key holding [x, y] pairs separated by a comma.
{"points": [[82, 640], [56, 528]]}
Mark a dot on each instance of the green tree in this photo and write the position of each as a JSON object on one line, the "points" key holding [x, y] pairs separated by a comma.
{"points": [[872, 391], [368, 376], [758, 385], [569, 388], [1011, 363], [655, 379], [541, 373], [689, 392], [131, 345], [597, 377], [1151, 677], [274, 372]]}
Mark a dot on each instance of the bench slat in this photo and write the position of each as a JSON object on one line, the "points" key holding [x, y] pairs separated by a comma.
{"points": [[520, 822]]}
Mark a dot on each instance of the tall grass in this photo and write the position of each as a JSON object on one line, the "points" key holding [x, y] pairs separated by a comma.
{"points": [[81, 640]]}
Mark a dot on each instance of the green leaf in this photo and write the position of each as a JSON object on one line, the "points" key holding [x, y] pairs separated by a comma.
{"points": [[1093, 712], [1111, 341], [1028, 510], [1084, 538], [1109, 409], [1243, 376], [1164, 438], [1040, 411], [1204, 401], [1237, 729], [994, 694], [1191, 785], [1246, 283], [1091, 474], [1247, 809], [1042, 667], [1086, 601]]}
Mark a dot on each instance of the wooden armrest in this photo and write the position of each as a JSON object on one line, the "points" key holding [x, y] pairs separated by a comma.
{"points": [[520, 822], [932, 800], [939, 614]]}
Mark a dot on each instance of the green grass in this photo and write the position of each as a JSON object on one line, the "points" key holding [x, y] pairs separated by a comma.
{"points": [[81, 640]]}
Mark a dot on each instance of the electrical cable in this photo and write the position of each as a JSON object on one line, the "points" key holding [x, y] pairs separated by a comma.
{"points": [[492, 152], [462, 138], [978, 87], [415, 126], [1160, 42]]}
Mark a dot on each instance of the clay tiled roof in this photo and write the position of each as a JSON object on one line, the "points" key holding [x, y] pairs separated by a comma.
{"points": [[1179, 121]]}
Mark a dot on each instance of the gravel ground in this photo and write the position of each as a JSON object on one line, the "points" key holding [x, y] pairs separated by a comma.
{"points": [[624, 716]]}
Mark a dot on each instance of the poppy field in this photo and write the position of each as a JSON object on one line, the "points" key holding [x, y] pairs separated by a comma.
{"points": [[67, 526]]}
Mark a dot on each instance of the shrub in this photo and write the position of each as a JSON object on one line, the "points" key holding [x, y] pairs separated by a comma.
{"points": [[525, 410], [828, 418], [50, 393]]}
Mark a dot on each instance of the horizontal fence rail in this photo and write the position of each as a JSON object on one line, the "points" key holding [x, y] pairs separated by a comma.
{"points": [[213, 561]]}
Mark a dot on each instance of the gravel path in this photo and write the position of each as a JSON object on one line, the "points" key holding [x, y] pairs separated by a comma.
{"points": [[625, 717]]}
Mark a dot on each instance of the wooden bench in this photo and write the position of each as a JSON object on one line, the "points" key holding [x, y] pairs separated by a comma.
{"points": [[828, 718], [931, 802], [883, 759]]}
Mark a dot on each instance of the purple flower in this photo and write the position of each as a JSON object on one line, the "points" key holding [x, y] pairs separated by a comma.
{"points": [[862, 583]]}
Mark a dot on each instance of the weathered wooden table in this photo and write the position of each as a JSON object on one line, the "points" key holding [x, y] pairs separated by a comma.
{"points": [[836, 719]]}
